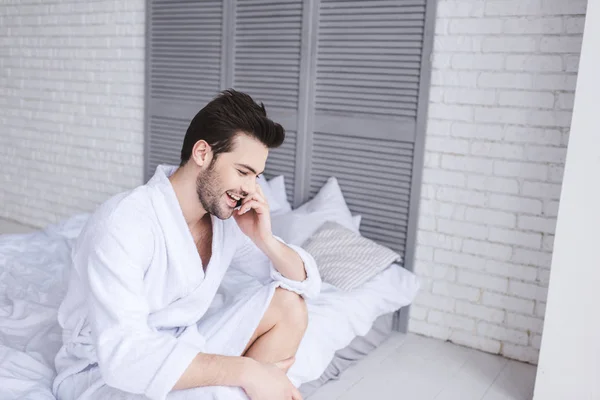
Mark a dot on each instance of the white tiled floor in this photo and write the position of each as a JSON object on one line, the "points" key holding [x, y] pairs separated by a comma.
{"points": [[412, 367]]}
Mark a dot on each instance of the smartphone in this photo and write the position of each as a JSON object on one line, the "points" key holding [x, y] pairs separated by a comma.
{"points": [[238, 204]]}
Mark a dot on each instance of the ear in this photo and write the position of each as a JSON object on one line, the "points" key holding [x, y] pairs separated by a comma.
{"points": [[201, 153]]}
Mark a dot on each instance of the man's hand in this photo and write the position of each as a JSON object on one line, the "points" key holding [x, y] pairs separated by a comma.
{"points": [[269, 382], [254, 218]]}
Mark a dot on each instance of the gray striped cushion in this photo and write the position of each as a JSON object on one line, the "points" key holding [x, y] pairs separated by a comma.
{"points": [[346, 259]]}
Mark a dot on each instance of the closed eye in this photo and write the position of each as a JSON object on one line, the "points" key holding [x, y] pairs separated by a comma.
{"points": [[243, 173]]}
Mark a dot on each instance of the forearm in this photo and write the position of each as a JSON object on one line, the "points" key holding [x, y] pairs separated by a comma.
{"points": [[284, 259], [215, 370]]}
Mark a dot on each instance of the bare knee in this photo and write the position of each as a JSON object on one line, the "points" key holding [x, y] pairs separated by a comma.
{"points": [[292, 309]]}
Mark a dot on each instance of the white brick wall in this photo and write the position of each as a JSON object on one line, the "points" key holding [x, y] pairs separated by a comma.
{"points": [[71, 105], [503, 78]]}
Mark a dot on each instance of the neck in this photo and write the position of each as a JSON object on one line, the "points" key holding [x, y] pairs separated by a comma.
{"points": [[187, 196]]}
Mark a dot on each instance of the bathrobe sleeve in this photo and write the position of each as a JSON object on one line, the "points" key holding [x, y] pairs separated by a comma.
{"points": [[250, 259], [132, 356]]}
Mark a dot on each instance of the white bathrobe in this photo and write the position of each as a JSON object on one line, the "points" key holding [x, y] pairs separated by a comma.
{"points": [[139, 306]]}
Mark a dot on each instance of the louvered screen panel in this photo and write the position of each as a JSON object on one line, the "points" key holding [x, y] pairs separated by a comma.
{"points": [[267, 51], [268, 38], [184, 71], [282, 161], [369, 57], [166, 135], [375, 177]]}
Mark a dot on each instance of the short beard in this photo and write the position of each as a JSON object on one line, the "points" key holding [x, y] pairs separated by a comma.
{"points": [[209, 192]]}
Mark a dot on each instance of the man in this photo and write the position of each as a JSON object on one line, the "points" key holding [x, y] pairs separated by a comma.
{"points": [[137, 318]]}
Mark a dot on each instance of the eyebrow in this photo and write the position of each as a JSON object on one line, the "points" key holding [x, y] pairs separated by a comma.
{"points": [[249, 168]]}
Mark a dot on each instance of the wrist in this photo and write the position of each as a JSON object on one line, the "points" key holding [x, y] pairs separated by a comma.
{"points": [[248, 366]]}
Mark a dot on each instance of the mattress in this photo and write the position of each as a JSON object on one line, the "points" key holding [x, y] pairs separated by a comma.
{"points": [[34, 271]]}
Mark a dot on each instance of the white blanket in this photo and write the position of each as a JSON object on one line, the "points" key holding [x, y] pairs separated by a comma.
{"points": [[33, 271]]}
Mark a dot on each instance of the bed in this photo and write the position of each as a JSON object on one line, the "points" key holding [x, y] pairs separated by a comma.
{"points": [[34, 270]]}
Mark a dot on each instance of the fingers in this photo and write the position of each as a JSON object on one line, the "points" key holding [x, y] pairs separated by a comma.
{"points": [[258, 206], [296, 394]]}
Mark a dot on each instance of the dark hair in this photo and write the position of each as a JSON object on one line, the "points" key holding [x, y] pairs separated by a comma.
{"points": [[228, 114]]}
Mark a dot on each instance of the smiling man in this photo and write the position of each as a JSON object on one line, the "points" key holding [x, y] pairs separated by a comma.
{"points": [[140, 319]]}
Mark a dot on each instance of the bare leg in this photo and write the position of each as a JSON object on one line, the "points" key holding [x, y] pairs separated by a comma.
{"points": [[280, 331]]}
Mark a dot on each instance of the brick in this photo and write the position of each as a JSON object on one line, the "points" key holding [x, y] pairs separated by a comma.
{"points": [[572, 63], [487, 249], [432, 160], [554, 82], [526, 99], [424, 253], [524, 322], [462, 229], [459, 259], [502, 115], [533, 25], [537, 224], [543, 277], [531, 257], [508, 303], [523, 170], [493, 184], [540, 309], [561, 44], [476, 26], [542, 190], [442, 177], [451, 112], [515, 204], [447, 145], [467, 164], [459, 9], [478, 62], [480, 131], [433, 301], [509, 80], [440, 60], [518, 134], [459, 196], [527, 290], [451, 320], [500, 333], [556, 155], [533, 7], [449, 78], [441, 28], [496, 150], [482, 281], [550, 118], [514, 237], [426, 223], [479, 312], [441, 209], [548, 241], [429, 330], [536, 342], [418, 313], [507, 44], [438, 127], [551, 208], [457, 43], [439, 241], [456, 291], [469, 96], [521, 353], [436, 271], [511, 270], [490, 217], [534, 63], [565, 101], [476, 342], [574, 24]]}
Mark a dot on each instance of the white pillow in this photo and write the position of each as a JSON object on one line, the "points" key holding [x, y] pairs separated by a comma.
{"points": [[297, 226], [274, 204], [277, 186]]}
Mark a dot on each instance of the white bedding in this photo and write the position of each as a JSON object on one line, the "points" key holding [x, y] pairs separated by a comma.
{"points": [[33, 276]]}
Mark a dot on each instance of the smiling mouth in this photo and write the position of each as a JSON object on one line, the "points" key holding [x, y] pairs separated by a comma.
{"points": [[233, 199]]}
